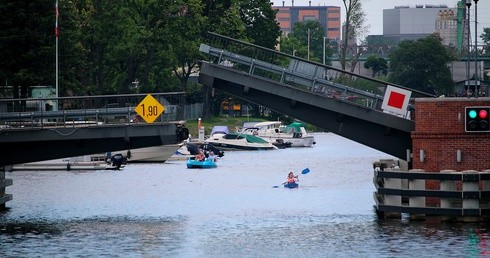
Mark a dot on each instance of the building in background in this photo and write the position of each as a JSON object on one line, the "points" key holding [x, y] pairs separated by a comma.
{"points": [[415, 22], [327, 16]]}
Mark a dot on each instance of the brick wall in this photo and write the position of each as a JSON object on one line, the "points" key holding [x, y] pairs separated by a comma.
{"points": [[440, 132]]}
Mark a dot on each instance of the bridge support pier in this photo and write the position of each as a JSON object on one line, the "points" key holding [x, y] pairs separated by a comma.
{"points": [[3, 184]]}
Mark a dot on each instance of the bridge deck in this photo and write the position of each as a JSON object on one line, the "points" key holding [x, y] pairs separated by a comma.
{"points": [[314, 93], [39, 134]]}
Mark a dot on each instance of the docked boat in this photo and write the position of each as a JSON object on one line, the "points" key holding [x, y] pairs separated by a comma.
{"points": [[150, 154], [87, 162], [274, 132], [207, 163], [189, 149], [222, 138], [102, 161]]}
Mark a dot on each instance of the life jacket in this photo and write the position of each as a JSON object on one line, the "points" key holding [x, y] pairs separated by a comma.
{"points": [[291, 180]]}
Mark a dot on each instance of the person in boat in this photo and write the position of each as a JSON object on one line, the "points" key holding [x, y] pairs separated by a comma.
{"points": [[212, 156], [291, 178], [200, 156]]}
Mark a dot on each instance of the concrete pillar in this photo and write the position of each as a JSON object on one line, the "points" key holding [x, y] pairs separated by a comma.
{"points": [[201, 134], [416, 184], [471, 186], [449, 185], [394, 183], [4, 183], [485, 203]]}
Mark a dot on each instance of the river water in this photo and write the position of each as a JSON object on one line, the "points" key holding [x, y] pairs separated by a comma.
{"points": [[167, 210]]}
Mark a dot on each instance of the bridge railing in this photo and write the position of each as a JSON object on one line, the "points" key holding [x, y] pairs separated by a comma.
{"points": [[81, 110], [297, 72]]}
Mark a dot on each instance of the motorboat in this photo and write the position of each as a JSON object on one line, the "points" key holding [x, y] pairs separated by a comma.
{"points": [[190, 149], [221, 137], [150, 154], [274, 132], [86, 162], [102, 161]]}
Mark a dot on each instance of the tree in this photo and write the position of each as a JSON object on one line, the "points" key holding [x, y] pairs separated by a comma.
{"points": [[377, 65], [423, 65], [27, 41], [353, 28], [260, 23], [485, 36], [297, 41]]}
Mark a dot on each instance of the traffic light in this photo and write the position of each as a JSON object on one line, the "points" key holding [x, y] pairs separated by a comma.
{"points": [[477, 119]]}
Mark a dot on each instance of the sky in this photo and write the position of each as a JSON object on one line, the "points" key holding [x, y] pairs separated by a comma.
{"points": [[374, 11]]}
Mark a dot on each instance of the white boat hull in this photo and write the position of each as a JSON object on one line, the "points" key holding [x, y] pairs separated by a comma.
{"points": [[102, 161], [307, 141], [151, 154], [273, 131], [87, 162]]}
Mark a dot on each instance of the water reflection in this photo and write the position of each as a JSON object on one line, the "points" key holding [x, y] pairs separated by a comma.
{"points": [[156, 210]]}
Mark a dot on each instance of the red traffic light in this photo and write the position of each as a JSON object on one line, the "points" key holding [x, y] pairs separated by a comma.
{"points": [[483, 114]]}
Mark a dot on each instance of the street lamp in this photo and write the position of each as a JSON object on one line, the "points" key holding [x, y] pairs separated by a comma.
{"points": [[324, 39], [476, 49], [308, 44], [468, 4]]}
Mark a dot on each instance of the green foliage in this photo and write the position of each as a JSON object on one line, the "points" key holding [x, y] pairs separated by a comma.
{"points": [[377, 64], [423, 65], [27, 44], [110, 47], [296, 43], [260, 22], [485, 36]]}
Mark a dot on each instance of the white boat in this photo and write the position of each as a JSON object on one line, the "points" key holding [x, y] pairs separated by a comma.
{"points": [[103, 161], [150, 154], [222, 138], [274, 132], [86, 162]]}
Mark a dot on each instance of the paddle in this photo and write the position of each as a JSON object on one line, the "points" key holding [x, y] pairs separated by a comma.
{"points": [[304, 172]]}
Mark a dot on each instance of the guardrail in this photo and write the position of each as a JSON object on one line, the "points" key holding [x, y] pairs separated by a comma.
{"points": [[448, 194], [81, 111], [297, 72]]}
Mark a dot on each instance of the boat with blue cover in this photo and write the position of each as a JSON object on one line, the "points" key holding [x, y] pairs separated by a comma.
{"points": [[207, 163]]}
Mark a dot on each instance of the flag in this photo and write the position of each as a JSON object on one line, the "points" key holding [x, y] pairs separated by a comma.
{"points": [[56, 32]]}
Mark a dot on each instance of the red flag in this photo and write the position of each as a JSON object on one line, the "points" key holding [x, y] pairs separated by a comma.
{"points": [[56, 32]]}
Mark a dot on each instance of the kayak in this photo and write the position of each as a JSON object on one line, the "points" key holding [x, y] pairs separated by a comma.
{"points": [[201, 164], [291, 185]]}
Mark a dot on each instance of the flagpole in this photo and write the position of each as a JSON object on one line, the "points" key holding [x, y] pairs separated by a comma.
{"points": [[57, 34]]}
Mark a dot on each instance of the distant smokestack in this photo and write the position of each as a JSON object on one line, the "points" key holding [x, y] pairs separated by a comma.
{"points": [[283, 3], [309, 2], [292, 3]]}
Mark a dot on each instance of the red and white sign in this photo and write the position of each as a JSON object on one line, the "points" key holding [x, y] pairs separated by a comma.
{"points": [[396, 100]]}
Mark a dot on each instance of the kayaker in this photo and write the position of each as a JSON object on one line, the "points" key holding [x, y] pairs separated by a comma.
{"points": [[200, 156], [291, 178]]}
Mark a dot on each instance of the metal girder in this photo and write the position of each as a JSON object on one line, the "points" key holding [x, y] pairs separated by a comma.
{"points": [[378, 130]]}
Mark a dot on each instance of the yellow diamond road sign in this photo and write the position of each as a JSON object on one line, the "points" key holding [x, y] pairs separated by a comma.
{"points": [[149, 109]]}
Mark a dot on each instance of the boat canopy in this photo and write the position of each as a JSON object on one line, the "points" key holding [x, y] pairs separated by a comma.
{"points": [[220, 129], [294, 127]]}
